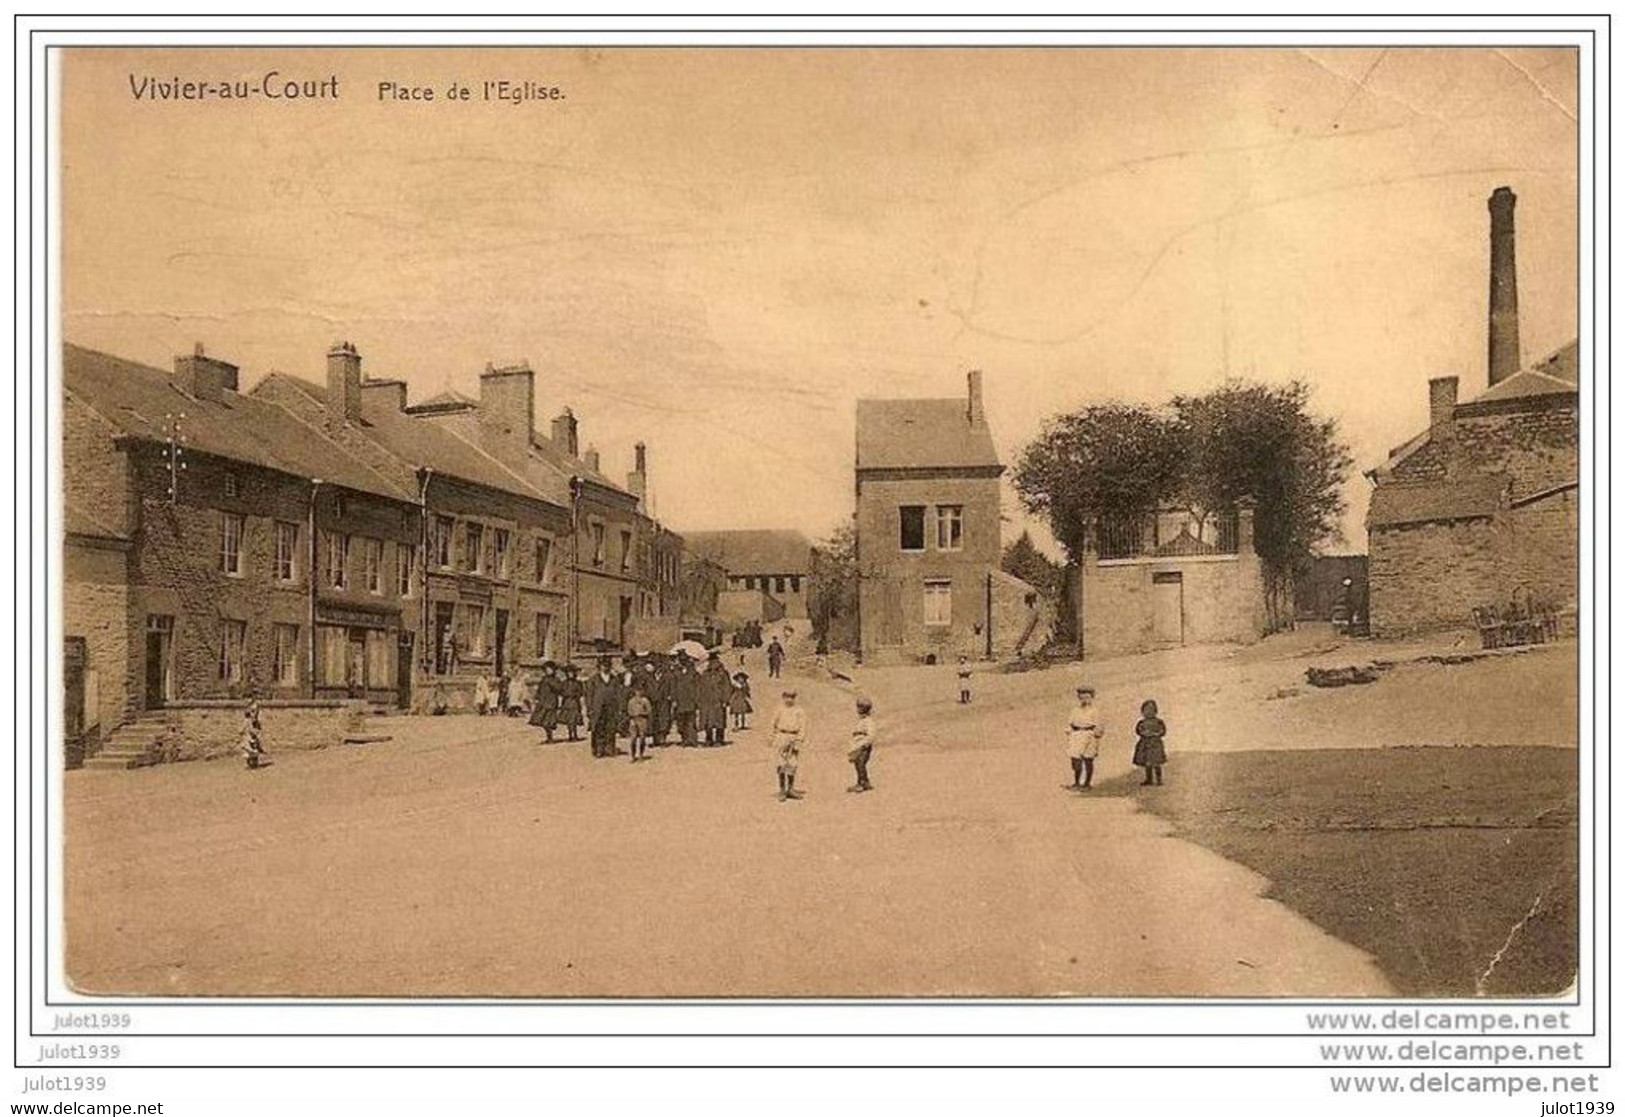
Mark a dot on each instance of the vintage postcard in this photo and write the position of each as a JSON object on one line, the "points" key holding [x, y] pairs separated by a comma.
{"points": [[840, 522]]}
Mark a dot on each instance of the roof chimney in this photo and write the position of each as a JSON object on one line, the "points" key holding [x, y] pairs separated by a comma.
{"points": [[392, 392], [508, 401], [205, 377], [564, 432], [973, 403], [1442, 408], [591, 459], [1505, 358], [637, 482], [344, 381]]}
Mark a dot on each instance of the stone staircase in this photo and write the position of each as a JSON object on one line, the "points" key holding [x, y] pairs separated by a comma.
{"points": [[131, 744]]}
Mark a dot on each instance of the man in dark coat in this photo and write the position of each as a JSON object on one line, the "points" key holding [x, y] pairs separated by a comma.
{"points": [[606, 702], [775, 658], [653, 681], [545, 709], [715, 690], [685, 698]]}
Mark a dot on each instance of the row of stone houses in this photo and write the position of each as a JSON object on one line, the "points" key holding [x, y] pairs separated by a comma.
{"points": [[325, 540]]}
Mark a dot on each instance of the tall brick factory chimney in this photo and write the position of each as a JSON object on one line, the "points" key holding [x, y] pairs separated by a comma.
{"points": [[564, 432], [1505, 357], [344, 381], [973, 403], [205, 377], [508, 401], [637, 482]]}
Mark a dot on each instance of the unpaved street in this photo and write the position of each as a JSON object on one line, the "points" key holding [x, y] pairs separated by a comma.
{"points": [[465, 858]]}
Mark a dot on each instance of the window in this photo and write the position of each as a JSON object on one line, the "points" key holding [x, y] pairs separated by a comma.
{"points": [[474, 630], [911, 535], [285, 654], [474, 547], [233, 638], [795, 583], [950, 526], [499, 552], [287, 545], [231, 484], [338, 559], [626, 551], [544, 629], [405, 558], [372, 564], [778, 585], [544, 551], [598, 544], [231, 543], [939, 602], [335, 656], [339, 507], [443, 528]]}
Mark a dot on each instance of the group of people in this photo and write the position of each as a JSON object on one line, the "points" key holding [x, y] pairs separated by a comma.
{"points": [[1085, 730], [645, 699]]}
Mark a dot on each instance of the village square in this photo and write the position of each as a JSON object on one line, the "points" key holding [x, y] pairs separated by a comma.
{"points": [[379, 687]]}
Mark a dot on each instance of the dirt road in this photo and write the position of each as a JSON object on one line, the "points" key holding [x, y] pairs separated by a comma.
{"points": [[465, 858]]}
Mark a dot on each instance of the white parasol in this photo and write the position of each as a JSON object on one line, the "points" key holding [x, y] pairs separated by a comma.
{"points": [[691, 648]]}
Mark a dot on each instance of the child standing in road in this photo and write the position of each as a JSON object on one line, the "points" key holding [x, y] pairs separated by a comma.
{"points": [[1084, 730], [739, 700], [863, 745], [789, 734], [250, 739], [1150, 752], [964, 681], [638, 711]]}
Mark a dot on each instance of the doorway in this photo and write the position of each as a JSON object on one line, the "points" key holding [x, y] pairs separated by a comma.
{"points": [[502, 643], [403, 671], [1168, 608], [160, 676], [356, 663]]}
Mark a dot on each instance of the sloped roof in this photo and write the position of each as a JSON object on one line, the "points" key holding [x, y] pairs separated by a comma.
{"points": [[135, 398], [455, 409], [753, 552], [1185, 544], [1558, 374], [444, 401], [1464, 498], [540, 471], [921, 434], [417, 443]]}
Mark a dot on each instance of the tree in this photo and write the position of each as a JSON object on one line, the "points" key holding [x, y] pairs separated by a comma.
{"points": [[832, 597], [1024, 560], [1109, 461], [1260, 440]]}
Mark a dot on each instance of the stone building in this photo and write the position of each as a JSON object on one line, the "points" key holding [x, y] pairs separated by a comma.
{"points": [[1168, 580], [204, 559], [928, 534], [493, 597], [775, 562], [598, 551], [1481, 509]]}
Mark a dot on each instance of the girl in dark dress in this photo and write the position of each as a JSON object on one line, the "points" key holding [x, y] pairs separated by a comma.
{"points": [[1149, 751], [739, 701]]}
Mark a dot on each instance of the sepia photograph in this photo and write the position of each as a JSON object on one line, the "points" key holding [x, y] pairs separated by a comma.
{"points": [[827, 522]]}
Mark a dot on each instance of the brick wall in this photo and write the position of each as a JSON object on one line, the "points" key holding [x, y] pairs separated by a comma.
{"points": [[1537, 446], [1429, 576], [891, 587], [95, 472]]}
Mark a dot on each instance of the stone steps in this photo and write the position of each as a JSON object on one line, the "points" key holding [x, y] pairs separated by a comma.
{"points": [[130, 745]]}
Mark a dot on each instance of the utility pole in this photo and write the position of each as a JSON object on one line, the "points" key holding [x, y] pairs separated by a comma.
{"points": [[174, 451]]}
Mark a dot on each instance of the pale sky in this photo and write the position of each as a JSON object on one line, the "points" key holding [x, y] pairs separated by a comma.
{"points": [[717, 251]]}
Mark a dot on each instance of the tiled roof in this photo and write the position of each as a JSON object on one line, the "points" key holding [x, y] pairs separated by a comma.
{"points": [[1464, 498], [540, 471], [753, 552], [424, 444], [921, 434], [135, 398]]}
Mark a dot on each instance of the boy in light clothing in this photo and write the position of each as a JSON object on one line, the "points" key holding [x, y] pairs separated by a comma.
{"points": [[1084, 729], [863, 745], [789, 734]]}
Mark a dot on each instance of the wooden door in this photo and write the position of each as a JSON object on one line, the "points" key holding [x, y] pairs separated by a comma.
{"points": [[1168, 608]]}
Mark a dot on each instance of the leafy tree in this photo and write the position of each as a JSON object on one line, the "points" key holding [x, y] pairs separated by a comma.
{"points": [[832, 597], [1205, 452], [1023, 559], [1108, 461]]}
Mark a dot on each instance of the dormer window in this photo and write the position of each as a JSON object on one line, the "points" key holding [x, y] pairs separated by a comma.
{"points": [[231, 484]]}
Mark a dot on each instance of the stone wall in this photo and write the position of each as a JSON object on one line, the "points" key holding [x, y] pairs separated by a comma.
{"points": [[1019, 611], [210, 730], [1222, 601], [1430, 576], [96, 607], [891, 588]]}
